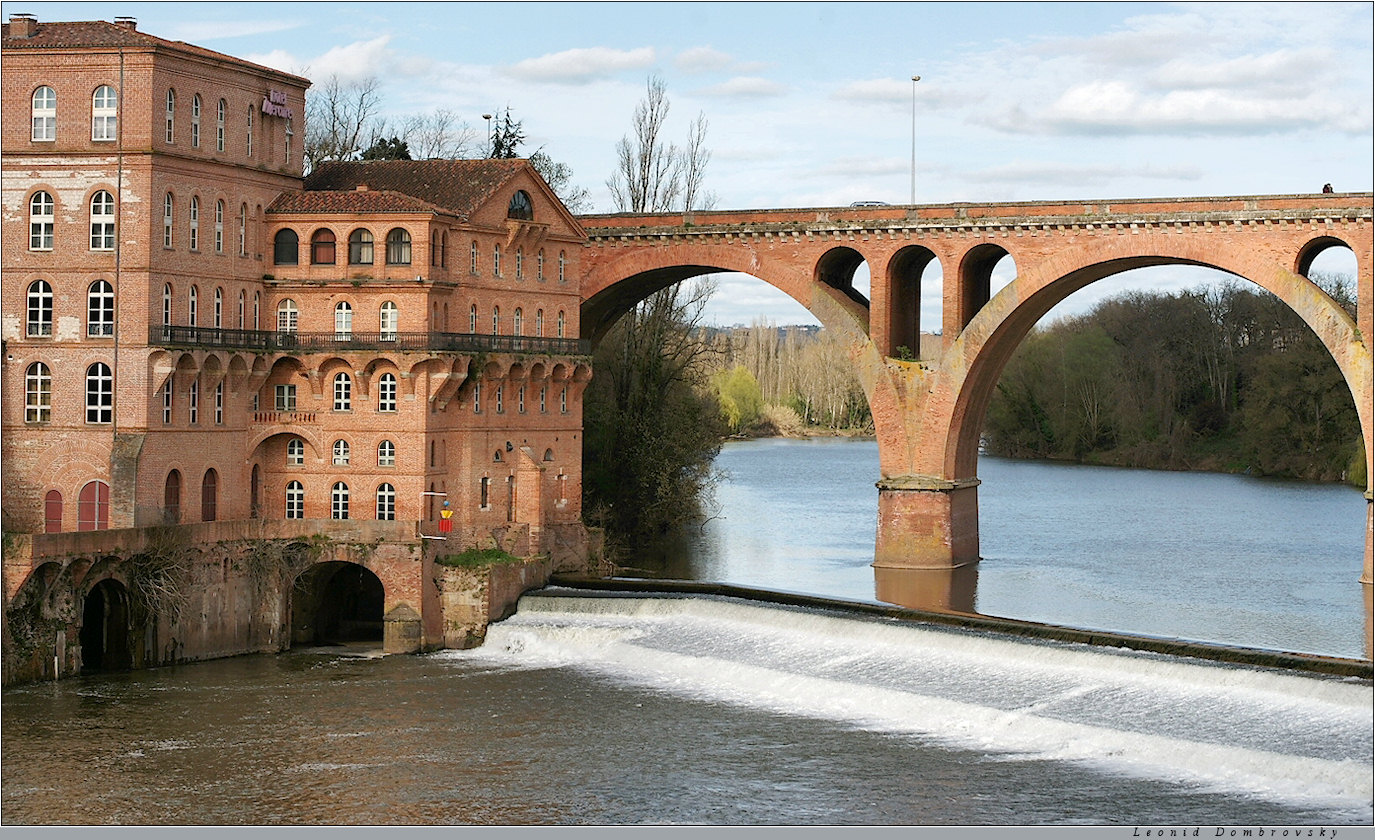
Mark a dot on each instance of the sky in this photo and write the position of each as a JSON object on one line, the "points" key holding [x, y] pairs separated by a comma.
{"points": [[812, 104]]}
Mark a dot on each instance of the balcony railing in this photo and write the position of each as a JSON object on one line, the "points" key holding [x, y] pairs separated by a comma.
{"points": [[317, 342]]}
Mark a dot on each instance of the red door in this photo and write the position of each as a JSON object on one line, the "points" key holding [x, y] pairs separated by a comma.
{"points": [[93, 507]]}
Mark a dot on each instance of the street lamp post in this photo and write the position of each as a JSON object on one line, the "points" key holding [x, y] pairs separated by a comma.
{"points": [[488, 118], [915, 79]]}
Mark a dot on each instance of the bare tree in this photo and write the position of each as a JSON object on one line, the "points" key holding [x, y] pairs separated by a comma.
{"points": [[341, 119], [649, 170], [440, 134], [559, 177], [695, 159]]}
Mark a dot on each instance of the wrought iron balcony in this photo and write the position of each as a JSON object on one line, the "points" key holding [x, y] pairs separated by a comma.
{"points": [[321, 342]]}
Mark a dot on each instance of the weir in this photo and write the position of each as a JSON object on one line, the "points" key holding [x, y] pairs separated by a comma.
{"points": [[1218, 727]]}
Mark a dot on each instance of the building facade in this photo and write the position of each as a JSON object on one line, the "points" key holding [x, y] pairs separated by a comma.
{"points": [[195, 331]]}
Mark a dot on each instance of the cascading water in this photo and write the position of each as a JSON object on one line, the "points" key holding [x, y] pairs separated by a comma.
{"points": [[1275, 736]]}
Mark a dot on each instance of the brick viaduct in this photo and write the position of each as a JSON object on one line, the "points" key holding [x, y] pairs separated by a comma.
{"points": [[928, 413]]}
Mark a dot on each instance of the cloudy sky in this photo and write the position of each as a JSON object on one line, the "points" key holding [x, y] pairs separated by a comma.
{"points": [[811, 104]]}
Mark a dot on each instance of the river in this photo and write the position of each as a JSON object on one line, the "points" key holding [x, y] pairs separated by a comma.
{"points": [[587, 708]]}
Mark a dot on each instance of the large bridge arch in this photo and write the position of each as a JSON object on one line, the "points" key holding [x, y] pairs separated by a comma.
{"points": [[822, 285], [982, 350]]}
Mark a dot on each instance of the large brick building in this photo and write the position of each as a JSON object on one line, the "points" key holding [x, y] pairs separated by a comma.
{"points": [[194, 331]]}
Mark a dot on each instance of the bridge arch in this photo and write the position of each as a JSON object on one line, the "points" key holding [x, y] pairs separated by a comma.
{"points": [[988, 342], [822, 285], [902, 291]]}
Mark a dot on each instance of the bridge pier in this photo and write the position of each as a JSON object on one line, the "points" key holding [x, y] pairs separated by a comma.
{"points": [[926, 522]]}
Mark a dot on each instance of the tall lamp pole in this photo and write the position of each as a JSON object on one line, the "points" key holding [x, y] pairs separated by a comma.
{"points": [[488, 118], [915, 79]]}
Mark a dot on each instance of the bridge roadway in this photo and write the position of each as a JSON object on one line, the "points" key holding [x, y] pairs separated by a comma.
{"points": [[928, 413]]}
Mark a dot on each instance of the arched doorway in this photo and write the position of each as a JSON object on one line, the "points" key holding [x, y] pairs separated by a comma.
{"points": [[105, 628], [337, 603]]}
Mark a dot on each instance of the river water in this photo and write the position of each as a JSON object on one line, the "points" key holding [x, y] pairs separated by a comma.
{"points": [[642, 709]]}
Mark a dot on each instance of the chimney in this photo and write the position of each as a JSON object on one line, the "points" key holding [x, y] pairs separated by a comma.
{"points": [[23, 25], [127, 22]]}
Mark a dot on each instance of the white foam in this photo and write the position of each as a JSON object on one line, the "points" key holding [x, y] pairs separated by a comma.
{"points": [[1279, 736]]}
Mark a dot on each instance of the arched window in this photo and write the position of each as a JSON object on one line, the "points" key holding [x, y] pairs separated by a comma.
{"points": [[257, 299], [339, 501], [195, 229], [561, 322], [343, 321], [104, 114], [171, 497], [539, 322], [100, 393], [295, 501], [167, 401], [243, 230], [518, 321], [44, 114], [387, 320], [472, 257], [496, 320], [42, 214], [167, 205], [360, 247], [322, 247], [520, 263], [219, 227], [286, 316], [38, 393], [93, 507], [286, 247], [196, 121], [386, 392], [219, 127], [399, 247], [166, 304], [219, 307], [343, 392], [248, 140], [40, 309], [386, 454], [242, 308], [193, 402], [102, 221], [295, 452], [209, 491], [496, 259], [386, 502], [52, 512], [171, 115], [562, 261], [472, 318], [548, 454], [539, 266], [100, 309], [341, 453], [520, 207], [191, 300]]}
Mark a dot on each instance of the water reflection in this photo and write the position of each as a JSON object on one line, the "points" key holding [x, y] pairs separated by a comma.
{"points": [[935, 590]]}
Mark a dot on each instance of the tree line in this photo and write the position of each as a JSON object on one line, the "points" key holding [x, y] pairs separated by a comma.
{"points": [[1218, 378]]}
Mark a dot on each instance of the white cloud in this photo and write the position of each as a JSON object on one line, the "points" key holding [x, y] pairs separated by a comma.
{"points": [[581, 66], [703, 60], [278, 60], [745, 87], [354, 61]]}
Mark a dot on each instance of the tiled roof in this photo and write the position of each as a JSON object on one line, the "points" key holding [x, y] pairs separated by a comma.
{"points": [[99, 33], [459, 186], [350, 201]]}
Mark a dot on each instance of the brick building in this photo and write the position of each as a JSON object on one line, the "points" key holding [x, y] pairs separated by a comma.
{"points": [[194, 332]]}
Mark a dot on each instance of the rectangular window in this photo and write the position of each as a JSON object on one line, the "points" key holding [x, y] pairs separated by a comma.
{"points": [[486, 491], [219, 404], [167, 402], [285, 397], [500, 410], [193, 402], [477, 398]]}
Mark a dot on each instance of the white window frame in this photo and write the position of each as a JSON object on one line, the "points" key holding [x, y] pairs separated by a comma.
{"points": [[43, 127], [42, 217], [104, 114], [100, 309], [38, 393], [102, 221], [100, 394], [386, 392]]}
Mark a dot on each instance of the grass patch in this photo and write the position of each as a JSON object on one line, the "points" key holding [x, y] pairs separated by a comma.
{"points": [[477, 557]]}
